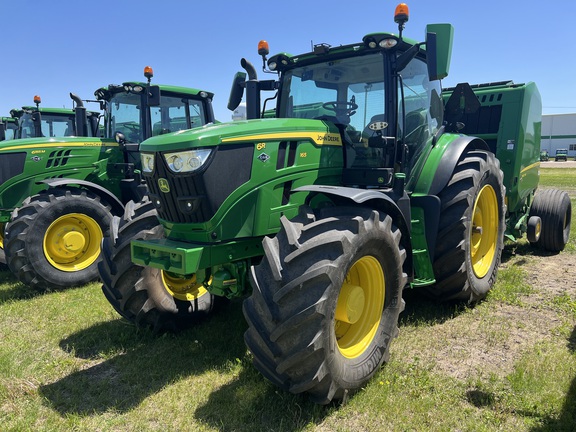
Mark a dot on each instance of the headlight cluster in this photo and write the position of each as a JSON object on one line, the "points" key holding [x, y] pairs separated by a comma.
{"points": [[187, 161], [147, 162], [179, 162]]}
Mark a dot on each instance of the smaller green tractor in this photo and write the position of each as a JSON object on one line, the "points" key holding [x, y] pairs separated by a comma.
{"points": [[8, 128], [544, 156], [37, 122], [58, 194]]}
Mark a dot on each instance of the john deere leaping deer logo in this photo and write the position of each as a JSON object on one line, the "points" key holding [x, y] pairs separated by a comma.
{"points": [[163, 185]]}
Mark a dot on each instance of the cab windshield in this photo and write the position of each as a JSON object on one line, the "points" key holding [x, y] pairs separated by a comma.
{"points": [[351, 93], [173, 114], [11, 130], [52, 125], [348, 92]]}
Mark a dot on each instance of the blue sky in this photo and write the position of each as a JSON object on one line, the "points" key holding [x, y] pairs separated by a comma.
{"points": [[53, 47]]}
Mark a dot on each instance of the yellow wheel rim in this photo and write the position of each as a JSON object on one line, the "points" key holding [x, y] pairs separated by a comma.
{"points": [[72, 242], [1, 236], [181, 288], [359, 307], [484, 235]]}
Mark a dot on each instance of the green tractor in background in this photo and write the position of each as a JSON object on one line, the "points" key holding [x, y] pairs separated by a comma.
{"points": [[36, 122], [58, 195], [8, 128], [362, 185]]}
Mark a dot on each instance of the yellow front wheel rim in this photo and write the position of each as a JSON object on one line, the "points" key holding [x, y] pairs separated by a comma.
{"points": [[72, 242], [181, 288], [484, 235], [359, 308]]}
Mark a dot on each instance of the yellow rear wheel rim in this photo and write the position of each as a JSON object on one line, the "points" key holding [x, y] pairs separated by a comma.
{"points": [[72, 242], [359, 308], [484, 235], [1, 236], [181, 288]]}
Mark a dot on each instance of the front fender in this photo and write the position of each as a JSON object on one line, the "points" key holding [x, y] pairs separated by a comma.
{"points": [[117, 206], [377, 200]]}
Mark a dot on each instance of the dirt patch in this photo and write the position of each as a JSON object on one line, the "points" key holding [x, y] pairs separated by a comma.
{"points": [[489, 340]]}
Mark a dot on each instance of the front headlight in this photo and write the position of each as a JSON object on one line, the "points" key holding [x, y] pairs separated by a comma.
{"points": [[147, 162], [187, 161]]}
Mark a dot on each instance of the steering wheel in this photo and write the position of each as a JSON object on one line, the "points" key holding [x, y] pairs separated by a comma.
{"points": [[341, 107]]}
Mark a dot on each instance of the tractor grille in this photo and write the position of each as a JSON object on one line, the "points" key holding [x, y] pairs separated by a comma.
{"points": [[195, 198], [11, 165]]}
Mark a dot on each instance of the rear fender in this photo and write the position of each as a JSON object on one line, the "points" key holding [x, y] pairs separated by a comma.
{"points": [[450, 158]]}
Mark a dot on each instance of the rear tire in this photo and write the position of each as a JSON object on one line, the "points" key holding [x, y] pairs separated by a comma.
{"points": [[3, 265], [325, 301], [53, 240], [554, 208], [471, 231], [140, 294]]}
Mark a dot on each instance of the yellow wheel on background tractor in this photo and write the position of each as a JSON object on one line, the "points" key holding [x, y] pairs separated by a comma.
{"points": [[53, 240], [72, 242], [359, 307], [484, 234]]}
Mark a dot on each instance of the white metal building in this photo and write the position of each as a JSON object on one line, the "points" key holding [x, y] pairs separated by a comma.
{"points": [[559, 132]]}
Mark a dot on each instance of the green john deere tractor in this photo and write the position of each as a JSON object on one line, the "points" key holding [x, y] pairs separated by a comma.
{"points": [[358, 184], [58, 195], [8, 128], [36, 122]]}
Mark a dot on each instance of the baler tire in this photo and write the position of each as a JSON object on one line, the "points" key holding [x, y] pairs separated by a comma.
{"points": [[53, 240], [471, 231], [554, 208], [292, 312], [138, 293]]}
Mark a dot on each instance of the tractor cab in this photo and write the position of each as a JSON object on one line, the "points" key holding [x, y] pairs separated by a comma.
{"points": [[37, 122], [381, 97], [8, 128], [135, 111]]}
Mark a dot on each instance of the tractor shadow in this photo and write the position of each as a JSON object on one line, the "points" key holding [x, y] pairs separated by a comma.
{"points": [[125, 365], [523, 249], [15, 290], [421, 310], [566, 420]]}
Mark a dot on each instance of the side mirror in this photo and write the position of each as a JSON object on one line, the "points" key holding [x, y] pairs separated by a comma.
{"points": [[237, 90], [153, 95], [37, 120], [439, 39]]}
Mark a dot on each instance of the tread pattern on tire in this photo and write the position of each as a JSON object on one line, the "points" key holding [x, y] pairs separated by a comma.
{"points": [[126, 285], [554, 208], [287, 311], [455, 279], [40, 274]]}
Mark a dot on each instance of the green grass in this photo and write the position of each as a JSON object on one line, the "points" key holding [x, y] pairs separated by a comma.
{"points": [[68, 362]]}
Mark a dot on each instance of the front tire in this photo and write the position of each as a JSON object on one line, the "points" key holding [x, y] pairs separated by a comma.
{"points": [[325, 302], [53, 240], [146, 296], [471, 231], [554, 208]]}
